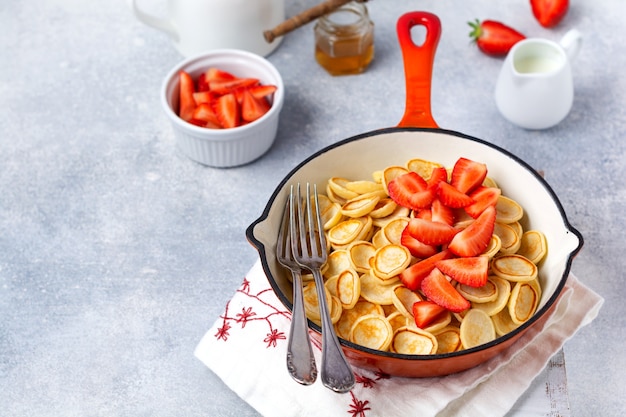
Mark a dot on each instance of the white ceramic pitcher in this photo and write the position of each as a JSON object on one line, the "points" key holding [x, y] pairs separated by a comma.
{"points": [[196, 26], [535, 89]]}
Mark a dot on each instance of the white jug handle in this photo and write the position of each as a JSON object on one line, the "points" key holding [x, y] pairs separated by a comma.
{"points": [[571, 43], [155, 22]]}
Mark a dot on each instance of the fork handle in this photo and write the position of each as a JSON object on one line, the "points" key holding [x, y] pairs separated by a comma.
{"points": [[336, 371], [300, 359]]}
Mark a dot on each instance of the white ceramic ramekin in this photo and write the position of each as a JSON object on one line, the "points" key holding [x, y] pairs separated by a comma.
{"points": [[225, 147]]}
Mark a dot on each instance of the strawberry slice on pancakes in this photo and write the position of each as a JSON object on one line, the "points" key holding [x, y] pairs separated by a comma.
{"points": [[410, 190], [439, 290], [474, 239]]}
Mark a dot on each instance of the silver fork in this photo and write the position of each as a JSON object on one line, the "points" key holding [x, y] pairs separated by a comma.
{"points": [[309, 249], [300, 359]]}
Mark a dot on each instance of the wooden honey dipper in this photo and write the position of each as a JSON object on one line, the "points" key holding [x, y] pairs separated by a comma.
{"points": [[305, 17]]}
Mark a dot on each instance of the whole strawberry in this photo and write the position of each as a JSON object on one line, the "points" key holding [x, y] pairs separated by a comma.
{"points": [[494, 38], [549, 12]]}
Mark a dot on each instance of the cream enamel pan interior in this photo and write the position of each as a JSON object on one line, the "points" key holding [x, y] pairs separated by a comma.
{"points": [[357, 157]]}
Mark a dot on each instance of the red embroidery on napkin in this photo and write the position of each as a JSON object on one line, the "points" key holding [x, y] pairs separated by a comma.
{"points": [[358, 408], [222, 332], [273, 336], [244, 316], [364, 380], [249, 314]]}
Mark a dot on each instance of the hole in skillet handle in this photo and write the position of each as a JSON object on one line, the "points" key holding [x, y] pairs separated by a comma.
{"points": [[418, 67]]}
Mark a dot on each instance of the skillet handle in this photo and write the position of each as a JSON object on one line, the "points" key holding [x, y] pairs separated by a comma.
{"points": [[418, 67]]}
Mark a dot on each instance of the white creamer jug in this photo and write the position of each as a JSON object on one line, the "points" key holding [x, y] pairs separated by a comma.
{"points": [[535, 89], [197, 26]]}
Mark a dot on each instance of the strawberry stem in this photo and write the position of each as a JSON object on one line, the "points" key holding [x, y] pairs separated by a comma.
{"points": [[477, 31]]}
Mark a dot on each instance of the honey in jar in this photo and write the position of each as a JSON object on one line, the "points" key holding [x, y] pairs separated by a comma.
{"points": [[344, 40]]}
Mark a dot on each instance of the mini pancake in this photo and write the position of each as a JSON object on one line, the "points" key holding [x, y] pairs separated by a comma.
{"points": [[311, 303], [393, 230], [329, 211], [360, 205], [504, 291], [476, 329], [332, 196], [510, 241], [448, 339], [350, 230], [372, 331], [385, 207], [484, 294], [534, 246], [413, 341], [348, 288], [404, 298], [399, 211], [377, 291], [390, 260], [337, 262], [514, 268], [379, 240], [508, 210], [364, 187], [524, 301], [423, 167], [338, 185], [391, 173], [360, 253], [503, 323], [398, 320], [349, 316]]}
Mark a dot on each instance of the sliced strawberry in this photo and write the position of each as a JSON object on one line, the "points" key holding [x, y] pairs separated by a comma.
{"points": [[253, 108], [474, 239], [549, 12], [410, 190], [202, 84], [437, 175], [260, 91], [417, 248], [425, 214], [439, 290], [452, 197], [472, 271], [227, 110], [483, 197], [204, 97], [197, 122], [186, 102], [441, 213], [430, 232], [467, 175], [229, 86], [426, 312], [216, 74], [412, 276], [205, 113]]}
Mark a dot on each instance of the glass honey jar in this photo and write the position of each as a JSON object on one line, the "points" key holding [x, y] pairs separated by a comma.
{"points": [[344, 39]]}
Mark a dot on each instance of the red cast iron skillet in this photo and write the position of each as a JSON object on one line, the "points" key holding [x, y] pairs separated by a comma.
{"points": [[418, 136]]}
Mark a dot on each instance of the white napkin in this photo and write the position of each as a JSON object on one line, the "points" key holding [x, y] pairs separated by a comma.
{"points": [[246, 348]]}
